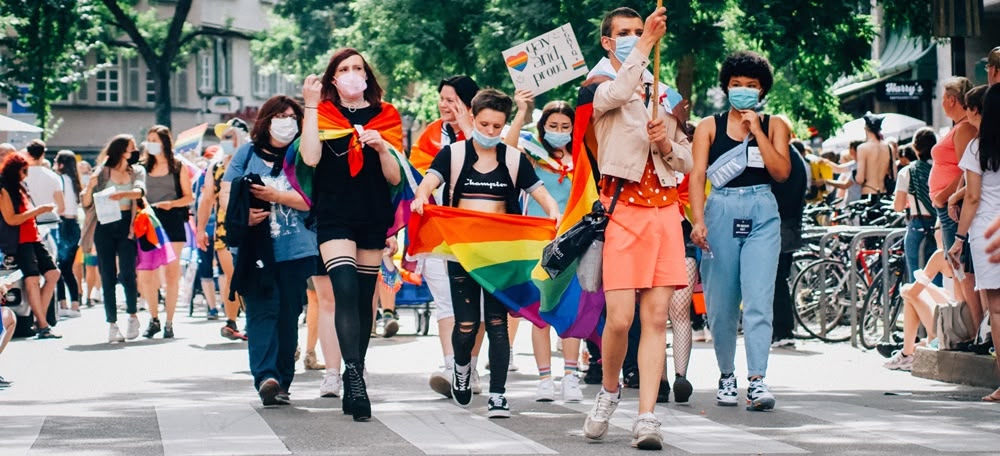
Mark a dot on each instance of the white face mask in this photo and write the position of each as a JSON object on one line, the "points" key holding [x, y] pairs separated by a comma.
{"points": [[284, 130], [154, 148]]}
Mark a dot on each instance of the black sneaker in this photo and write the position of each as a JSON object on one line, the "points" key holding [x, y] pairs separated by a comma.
{"points": [[595, 375], [268, 392], [152, 329], [727, 395], [888, 349], [682, 389], [461, 386], [168, 331], [497, 406], [47, 333], [631, 379], [663, 393], [282, 398]]}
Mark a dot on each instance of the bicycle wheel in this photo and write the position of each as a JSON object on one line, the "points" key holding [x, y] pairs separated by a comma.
{"points": [[874, 308], [821, 300]]}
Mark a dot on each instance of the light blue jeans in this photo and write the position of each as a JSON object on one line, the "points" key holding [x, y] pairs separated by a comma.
{"points": [[741, 270]]}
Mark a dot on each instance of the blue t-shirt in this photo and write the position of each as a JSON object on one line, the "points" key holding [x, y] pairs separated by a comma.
{"points": [[292, 240], [559, 191]]}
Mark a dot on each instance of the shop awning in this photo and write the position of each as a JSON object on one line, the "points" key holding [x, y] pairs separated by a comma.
{"points": [[899, 55]]}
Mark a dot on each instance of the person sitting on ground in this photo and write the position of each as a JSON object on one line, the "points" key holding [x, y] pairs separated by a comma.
{"points": [[919, 300]]}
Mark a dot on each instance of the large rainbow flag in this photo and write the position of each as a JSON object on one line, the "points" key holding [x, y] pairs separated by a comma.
{"points": [[428, 145], [572, 311], [498, 250], [333, 125]]}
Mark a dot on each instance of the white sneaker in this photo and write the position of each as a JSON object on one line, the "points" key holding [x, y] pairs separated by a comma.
{"points": [[441, 382], [727, 395], [899, 361], [546, 391], [477, 386], [646, 432], [708, 335], [784, 343], [511, 367], [114, 334], [69, 313], [331, 385], [595, 427], [571, 389], [133, 328], [698, 335]]}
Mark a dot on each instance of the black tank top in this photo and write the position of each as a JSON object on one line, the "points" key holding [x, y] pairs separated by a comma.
{"points": [[723, 143]]}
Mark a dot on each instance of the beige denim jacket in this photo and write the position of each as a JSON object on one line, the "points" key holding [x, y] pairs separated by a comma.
{"points": [[620, 118]]}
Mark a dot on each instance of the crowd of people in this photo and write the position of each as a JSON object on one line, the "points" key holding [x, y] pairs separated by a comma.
{"points": [[297, 206]]}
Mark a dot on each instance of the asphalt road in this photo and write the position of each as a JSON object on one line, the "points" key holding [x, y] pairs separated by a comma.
{"points": [[193, 395]]}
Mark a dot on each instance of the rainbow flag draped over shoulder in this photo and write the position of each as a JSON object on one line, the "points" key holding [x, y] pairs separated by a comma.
{"points": [[564, 305], [498, 250], [428, 145], [333, 125]]}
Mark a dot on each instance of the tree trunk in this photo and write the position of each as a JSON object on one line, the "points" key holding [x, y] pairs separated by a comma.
{"points": [[161, 84], [685, 76]]}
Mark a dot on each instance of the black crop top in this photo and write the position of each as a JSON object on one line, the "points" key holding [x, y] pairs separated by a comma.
{"points": [[339, 198], [495, 185], [723, 143]]}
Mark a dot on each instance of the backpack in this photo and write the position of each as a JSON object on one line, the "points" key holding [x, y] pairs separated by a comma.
{"points": [[920, 172], [953, 322]]}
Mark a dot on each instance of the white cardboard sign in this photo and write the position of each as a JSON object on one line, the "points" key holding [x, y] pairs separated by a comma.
{"points": [[547, 61]]}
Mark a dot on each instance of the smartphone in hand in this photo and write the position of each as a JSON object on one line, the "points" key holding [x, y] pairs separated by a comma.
{"points": [[957, 267]]}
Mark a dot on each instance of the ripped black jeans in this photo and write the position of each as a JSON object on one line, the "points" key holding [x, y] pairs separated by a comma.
{"points": [[465, 293]]}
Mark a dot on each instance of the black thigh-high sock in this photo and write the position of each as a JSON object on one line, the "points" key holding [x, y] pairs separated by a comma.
{"points": [[344, 278], [367, 276]]}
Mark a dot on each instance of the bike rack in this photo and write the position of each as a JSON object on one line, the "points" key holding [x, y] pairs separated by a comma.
{"points": [[853, 277], [835, 231], [890, 239]]}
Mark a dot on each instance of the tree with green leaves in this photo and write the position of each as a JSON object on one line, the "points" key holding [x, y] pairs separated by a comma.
{"points": [[47, 51]]}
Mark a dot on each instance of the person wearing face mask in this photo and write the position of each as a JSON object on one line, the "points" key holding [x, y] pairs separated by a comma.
{"points": [[638, 157], [114, 243], [739, 227], [455, 124], [274, 293], [555, 132], [214, 198], [490, 179], [349, 146], [168, 191]]}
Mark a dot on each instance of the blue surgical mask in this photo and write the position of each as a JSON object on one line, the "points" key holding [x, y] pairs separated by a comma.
{"points": [[743, 98], [557, 139], [227, 147], [483, 140], [154, 148], [624, 46]]}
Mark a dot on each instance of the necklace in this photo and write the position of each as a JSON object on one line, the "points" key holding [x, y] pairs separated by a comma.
{"points": [[354, 107]]}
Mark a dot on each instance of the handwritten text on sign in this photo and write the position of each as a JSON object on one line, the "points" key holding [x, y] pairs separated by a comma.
{"points": [[545, 62]]}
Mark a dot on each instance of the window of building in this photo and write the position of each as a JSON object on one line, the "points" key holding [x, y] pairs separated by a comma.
{"points": [[260, 81], [206, 78], [223, 66], [108, 83], [179, 87]]}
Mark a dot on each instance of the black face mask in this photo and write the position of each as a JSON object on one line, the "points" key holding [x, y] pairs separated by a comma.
{"points": [[133, 158]]}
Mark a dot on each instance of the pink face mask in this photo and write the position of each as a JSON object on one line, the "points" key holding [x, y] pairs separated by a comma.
{"points": [[351, 85]]}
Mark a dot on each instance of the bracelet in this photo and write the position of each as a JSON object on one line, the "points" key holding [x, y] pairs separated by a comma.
{"points": [[962, 237], [311, 107]]}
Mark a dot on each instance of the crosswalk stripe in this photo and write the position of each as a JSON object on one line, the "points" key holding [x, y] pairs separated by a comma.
{"points": [[18, 434], [446, 429], [693, 433], [210, 429], [926, 431]]}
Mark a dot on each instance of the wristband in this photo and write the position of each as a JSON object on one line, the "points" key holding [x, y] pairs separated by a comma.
{"points": [[310, 107], [962, 237]]}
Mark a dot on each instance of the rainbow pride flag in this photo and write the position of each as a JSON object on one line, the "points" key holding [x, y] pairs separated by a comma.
{"points": [[572, 311], [188, 142], [498, 250]]}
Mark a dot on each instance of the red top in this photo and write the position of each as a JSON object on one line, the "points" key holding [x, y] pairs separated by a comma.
{"points": [[945, 169], [28, 231]]}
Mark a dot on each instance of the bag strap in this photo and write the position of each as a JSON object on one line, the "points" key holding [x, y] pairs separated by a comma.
{"points": [[512, 157], [457, 162], [618, 192]]}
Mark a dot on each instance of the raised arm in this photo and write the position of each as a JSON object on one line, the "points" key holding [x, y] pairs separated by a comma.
{"points": [[309, 145], [525, 102]]}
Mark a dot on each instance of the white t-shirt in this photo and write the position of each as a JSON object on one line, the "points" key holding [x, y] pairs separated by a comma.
{"points": [[903, 185], [42, 184], [69, 197], [989, 202]]}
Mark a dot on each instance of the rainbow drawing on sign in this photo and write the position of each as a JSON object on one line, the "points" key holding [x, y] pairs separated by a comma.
{"points": [[578, 65], [518, 61]]}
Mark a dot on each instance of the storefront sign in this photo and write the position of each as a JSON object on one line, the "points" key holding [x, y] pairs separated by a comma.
{"points": [[903, 90]]}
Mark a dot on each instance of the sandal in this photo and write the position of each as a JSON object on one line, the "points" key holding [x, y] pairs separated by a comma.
{"points": [[994, 397]]}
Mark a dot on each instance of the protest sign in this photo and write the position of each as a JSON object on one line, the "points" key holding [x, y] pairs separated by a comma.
{"points": [[547, 61]]}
